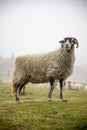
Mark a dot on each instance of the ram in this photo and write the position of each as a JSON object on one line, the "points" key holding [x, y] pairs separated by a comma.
{"points": [[41, 68]]}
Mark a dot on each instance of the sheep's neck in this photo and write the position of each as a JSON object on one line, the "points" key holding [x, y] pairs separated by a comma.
{"points": [[66, 63]]}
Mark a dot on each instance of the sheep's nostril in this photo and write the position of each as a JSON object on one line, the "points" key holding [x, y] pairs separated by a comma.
{"points": [[66, 45]]}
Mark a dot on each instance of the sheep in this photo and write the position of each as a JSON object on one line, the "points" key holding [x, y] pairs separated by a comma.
{"points": [[42, 68], [75, 85], [86, 87]]}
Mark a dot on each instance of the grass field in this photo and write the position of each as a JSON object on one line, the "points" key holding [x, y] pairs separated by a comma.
{"points": [[36, 113]]}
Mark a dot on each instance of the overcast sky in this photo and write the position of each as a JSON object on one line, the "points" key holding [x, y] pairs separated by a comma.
{"points": [[36, 26]]}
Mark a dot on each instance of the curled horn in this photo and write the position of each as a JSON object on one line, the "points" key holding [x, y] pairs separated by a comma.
{"points": [[76, 42]]}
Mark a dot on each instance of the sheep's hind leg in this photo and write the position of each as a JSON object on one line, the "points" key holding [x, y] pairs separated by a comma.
{"points": [[51, 89], [23, 90], [17, 94], [20, 90]]}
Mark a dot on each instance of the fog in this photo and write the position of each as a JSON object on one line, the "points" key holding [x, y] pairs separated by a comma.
{"points": [[36, 26]]}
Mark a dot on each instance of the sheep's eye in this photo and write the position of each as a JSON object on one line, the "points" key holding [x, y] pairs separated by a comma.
{"points": [[72, 40]]}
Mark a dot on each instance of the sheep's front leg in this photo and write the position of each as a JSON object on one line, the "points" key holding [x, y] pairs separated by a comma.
{"points": [[51, 89], [61, 89]]}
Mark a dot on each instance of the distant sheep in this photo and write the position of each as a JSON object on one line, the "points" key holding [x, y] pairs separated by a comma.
{"points": [[75, 86], [41, 68], [86, 87]]}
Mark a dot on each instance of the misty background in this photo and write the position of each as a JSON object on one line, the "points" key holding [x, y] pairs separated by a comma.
{"points": [[37, 26]]}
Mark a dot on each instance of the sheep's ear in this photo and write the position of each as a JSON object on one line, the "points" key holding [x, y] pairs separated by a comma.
{"points": [[62, 41]]}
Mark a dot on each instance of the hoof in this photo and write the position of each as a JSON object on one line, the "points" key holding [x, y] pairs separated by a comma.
{"points": [[17, 102], [63, 100], [49, 99]]}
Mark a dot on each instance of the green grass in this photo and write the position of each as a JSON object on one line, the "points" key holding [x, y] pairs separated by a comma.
{"points": [[36, 113]]}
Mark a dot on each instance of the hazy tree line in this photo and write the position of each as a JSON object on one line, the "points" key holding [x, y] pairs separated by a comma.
{"points": [[7, 68]]}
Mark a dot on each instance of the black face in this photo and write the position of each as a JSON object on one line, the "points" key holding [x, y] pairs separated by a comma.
{"points": [[68, 39], [68, 43]]}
